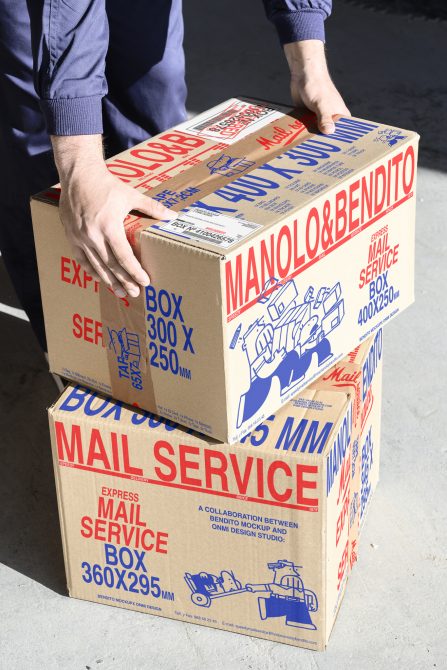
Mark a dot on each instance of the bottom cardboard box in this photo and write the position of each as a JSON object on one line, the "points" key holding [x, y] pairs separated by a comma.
{"points": [[256, 538]]}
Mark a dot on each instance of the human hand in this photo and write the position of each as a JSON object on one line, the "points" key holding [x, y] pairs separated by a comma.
{"points": [[93, 206], [311, 84]]}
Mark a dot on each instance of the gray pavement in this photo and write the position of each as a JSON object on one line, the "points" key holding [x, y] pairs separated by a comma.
{"points": [[393, 615]]}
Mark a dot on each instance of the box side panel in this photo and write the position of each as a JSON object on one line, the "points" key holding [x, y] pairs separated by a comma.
{"points": [[338, 493], [189, 380], [167, 352], [60, 500], [362, 379], [301, 296], [205, 534], [369, 444], [346, 377]]}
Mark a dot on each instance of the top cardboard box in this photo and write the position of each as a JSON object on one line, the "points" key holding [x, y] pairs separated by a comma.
{"points": [[290, 249]]}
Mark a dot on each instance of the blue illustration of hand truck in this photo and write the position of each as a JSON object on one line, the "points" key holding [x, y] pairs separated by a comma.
{"points": [[287, 597]]}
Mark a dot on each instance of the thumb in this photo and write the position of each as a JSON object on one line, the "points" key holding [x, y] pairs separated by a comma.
{"points": [[325, 121], [153, 208]]}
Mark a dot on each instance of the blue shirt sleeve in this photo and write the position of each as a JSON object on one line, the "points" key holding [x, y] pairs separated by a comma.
{"points": [[298, 20], [70, 41]]}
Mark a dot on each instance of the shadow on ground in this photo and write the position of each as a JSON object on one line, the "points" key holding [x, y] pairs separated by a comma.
{"points": [[29, 526], [387, 66]]}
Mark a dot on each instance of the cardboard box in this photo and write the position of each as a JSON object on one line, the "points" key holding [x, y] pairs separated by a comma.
{"points": [[256, 538], [290, 249]]}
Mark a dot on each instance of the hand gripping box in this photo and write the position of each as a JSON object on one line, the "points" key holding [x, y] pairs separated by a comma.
{"points": [[255, 538], [289, 250]]}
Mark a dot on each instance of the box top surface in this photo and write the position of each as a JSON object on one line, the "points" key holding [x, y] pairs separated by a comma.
{"points": [[247, 165], [306, 426]]}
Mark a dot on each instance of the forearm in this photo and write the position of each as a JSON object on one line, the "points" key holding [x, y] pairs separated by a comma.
{"points": [[76, 155], [311, 84], [305, 56]]}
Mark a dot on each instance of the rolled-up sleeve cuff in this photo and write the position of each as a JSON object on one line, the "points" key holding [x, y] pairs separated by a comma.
{"points": [[307, 24], [73, 116]]}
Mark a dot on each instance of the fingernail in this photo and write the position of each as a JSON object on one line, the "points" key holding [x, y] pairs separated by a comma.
{"points": [[328, 128], [134, 292], [144, 280], [120, 292]]}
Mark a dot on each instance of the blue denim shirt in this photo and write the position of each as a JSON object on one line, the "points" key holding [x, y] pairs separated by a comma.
{"points": [[70, 42]]}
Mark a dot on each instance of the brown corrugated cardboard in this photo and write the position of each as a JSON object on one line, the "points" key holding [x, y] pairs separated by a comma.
{"points": [[289, 250], [359, 375], [254, 538]]}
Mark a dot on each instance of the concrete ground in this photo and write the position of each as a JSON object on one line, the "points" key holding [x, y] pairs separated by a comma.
{"points": [[389, 68]]}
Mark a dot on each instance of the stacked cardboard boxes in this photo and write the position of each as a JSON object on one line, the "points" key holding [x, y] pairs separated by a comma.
{"points": [[258, 537], [290, 250]]}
